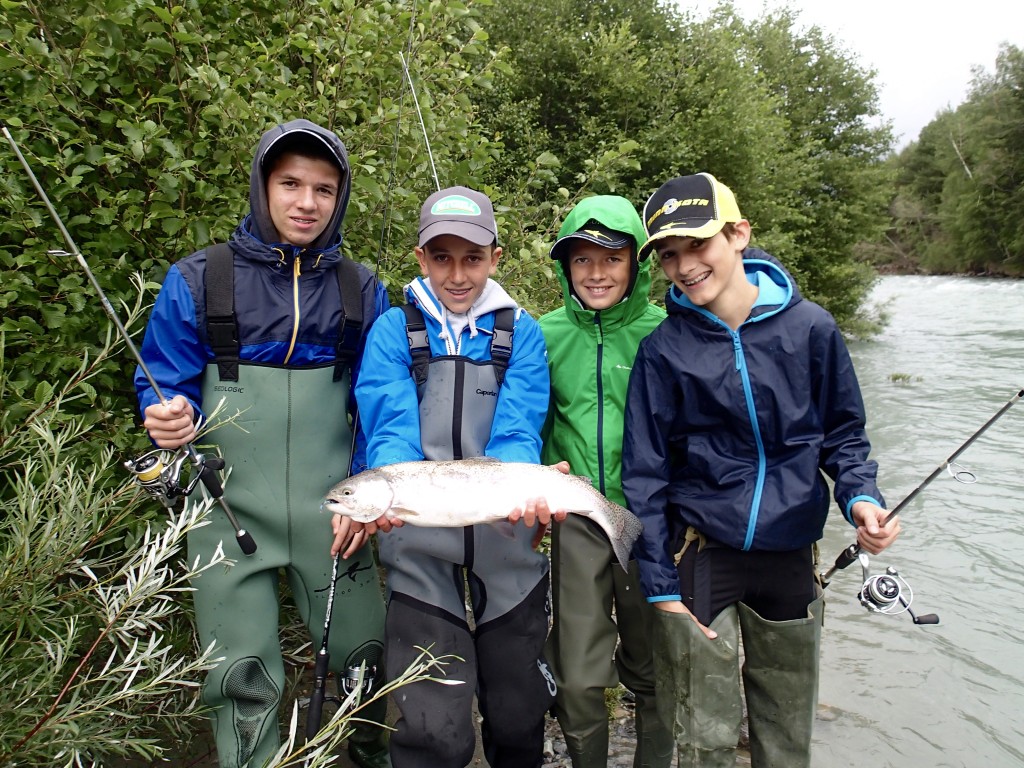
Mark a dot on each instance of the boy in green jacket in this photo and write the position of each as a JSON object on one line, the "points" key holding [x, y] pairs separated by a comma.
{"points": [[591, 344]]}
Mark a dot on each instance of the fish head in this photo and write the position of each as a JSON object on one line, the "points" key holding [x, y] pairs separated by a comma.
{"points": [[364, 497]]}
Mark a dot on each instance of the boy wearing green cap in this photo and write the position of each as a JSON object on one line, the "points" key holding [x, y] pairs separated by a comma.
{"points": [[591, 342], [739, 404]]}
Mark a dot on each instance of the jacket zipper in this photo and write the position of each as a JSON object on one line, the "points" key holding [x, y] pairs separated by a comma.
{"points": [[748, 394], [296, 273], [600, 400]]}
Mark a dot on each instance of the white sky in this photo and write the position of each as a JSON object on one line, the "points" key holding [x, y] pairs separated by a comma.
{"points": [[922, 50]]}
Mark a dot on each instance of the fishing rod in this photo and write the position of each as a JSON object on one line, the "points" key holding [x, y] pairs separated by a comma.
{"points": [[158, 471], [321, 666], [884, 594]]}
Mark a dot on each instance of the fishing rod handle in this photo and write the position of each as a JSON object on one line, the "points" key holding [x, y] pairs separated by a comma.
{"points": [[315, 711], [847, 557], [207, 469]]}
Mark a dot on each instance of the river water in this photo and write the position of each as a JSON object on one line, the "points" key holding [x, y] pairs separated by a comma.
{"points": [[894, 693]]}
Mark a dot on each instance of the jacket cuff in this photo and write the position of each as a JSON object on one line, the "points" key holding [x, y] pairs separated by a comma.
{"points": [[848, 514]]}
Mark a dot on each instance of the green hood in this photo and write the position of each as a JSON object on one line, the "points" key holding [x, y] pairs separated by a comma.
{"points": [[616, 213]]}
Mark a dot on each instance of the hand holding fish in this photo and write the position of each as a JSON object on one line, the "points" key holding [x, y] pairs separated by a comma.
{"points": [[350, 535], [537, 511]]}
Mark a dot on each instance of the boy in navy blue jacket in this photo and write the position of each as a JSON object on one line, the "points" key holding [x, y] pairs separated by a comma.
{"points": [[738, 405]]}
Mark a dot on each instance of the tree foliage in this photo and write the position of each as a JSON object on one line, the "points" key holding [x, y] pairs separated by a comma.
{"points": [[780, 113], [960, 186]]}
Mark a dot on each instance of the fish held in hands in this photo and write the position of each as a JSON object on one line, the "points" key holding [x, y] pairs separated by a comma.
{"points": [[452, 494]]}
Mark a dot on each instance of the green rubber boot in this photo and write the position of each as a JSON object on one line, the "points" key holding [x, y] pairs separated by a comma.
{"points": [[587, 750], [780, 676], [698, 687], [370, 754]]}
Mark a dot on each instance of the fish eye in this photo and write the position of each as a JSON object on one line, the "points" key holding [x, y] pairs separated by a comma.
{"points": [[346, 491]]}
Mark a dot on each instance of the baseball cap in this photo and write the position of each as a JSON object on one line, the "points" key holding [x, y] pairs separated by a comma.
{"points": [[593, 232], [458, 211], [689, 206]]}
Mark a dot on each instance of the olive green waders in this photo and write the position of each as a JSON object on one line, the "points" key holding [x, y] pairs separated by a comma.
{"points": [[699, 687], [582, 651], [295, 446], [780, 678]]}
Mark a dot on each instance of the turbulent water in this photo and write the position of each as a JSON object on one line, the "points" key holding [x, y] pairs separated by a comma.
{"points": [[893, 693]]}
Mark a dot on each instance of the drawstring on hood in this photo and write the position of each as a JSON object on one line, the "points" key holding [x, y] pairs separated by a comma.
{"points": [[492, 298], [279, 139]]}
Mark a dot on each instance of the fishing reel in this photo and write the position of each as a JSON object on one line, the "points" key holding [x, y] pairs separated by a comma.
{"points": [[349, 682], [888, 593], [160, 473]]}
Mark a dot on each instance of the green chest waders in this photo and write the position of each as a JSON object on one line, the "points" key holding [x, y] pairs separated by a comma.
{"points": [[295, 445]]}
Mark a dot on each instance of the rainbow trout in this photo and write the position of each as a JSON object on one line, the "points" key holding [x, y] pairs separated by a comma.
{"points": [[451, 494]]}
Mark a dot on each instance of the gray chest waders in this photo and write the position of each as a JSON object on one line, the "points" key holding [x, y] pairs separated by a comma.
{"points": [[294, 447], [457, 403], [428, 572]]}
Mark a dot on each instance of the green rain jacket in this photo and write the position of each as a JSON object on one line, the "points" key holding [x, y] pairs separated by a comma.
{"points": [[590, 355]]}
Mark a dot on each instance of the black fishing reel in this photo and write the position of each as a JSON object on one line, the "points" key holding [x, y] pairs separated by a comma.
{"points": [[888, 593], [349, 682]]}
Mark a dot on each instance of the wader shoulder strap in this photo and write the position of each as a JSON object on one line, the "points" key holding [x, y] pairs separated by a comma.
{"points": [[221, 325], [501, 341], [351, 328], [419, 343]]}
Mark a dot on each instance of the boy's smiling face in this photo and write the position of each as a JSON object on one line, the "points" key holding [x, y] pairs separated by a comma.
{"points": [[457, 269], [599, 275], [708, 271]]}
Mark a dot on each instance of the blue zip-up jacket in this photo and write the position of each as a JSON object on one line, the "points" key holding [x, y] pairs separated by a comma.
{"points": [[733, 432], [287, 299], [386, 392]]}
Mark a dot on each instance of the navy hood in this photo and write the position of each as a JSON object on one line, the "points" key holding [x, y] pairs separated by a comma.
{"points": [[758, 265], [259, 222]]}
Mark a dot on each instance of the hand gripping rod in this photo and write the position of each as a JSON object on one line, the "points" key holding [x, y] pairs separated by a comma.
{"points": [[849, 555], [205, 467]]}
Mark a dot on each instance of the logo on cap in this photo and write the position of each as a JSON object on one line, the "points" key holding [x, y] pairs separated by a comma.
{"points": [[455, 205]]}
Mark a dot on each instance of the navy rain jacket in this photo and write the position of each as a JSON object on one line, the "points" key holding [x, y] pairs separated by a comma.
{"points": [[732, 432]]}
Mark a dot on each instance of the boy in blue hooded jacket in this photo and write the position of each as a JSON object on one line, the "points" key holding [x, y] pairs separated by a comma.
{"points": [[739, 404], [472, 381]]}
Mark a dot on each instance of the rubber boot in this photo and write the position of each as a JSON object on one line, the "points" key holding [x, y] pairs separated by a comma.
{"points": [[654, 743], [698, 687], [589, 750], [369, 746], [780, 675], [370, 754]]}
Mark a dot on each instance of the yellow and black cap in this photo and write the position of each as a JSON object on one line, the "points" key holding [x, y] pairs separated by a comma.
{"points": [[689, 206]]}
